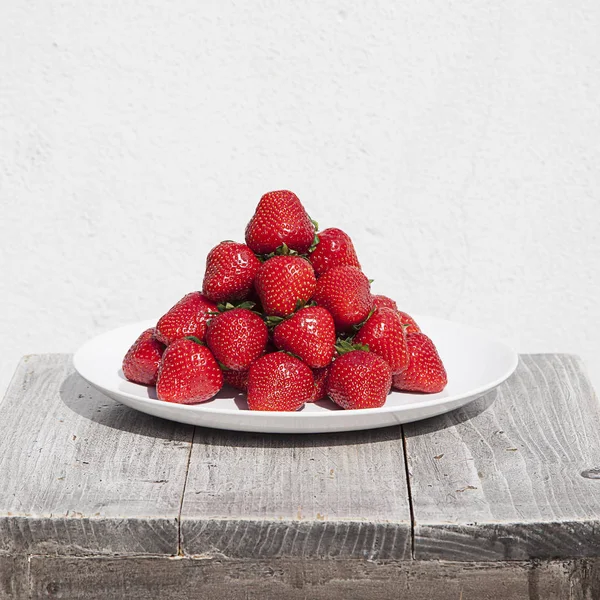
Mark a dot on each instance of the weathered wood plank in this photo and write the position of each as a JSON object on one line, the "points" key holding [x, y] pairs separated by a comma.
{"points": [[330, 496], [295, 579], [83, 474], [502, 477], [14, 577]]}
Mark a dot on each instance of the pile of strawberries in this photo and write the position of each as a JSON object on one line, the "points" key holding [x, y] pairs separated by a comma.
{"points": [[288, 318]]}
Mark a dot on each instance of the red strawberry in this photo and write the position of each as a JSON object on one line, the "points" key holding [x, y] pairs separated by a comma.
{"points": [[280, 219], [279, 381], [230, 271], [384, 334], [385, 302], [380, 301], [335, 248], [345, 292], [188, 373], [188, 317], [309, 334], [426, 372], [237, 338], [359, 379], [411, 324], [320, 376], [236, 379], [140, 364], [284, 281]]}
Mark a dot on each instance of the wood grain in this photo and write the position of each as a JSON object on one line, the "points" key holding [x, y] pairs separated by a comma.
{"points": [[83, 474], [14, 577], [501, 478], [295, 579], [331, 496]]}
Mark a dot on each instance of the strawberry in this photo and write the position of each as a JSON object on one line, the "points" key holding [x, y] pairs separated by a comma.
{"points": [[284, 282], [236, 379], [320, 376], [280, 219], [230, 272], [426, 372], [188, 317], [345, 292], [335, 248], [140, 364], [359, 379], [409, 322], [384, 334], [385, 302], [279, 381], [380, 301], [309, 334], [188, 373], [237, 338]]}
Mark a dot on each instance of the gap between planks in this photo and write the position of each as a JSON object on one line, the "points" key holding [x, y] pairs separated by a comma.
{"points": [[409, 493], [185, 480]]}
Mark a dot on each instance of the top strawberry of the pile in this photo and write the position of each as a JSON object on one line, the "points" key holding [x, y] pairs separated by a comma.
{"points": [[288, 317]]}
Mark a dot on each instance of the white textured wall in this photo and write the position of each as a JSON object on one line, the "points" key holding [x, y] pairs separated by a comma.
{"points": [[457, 142]]}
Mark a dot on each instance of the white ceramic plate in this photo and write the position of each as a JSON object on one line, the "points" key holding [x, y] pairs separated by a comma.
{"points": [[475, 362]]}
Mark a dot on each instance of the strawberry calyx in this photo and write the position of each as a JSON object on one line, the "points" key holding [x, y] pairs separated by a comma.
{"points": [[273, 321], [222, 366], [289, 354], [193, 338], [285, 250], [316, 239], [343, 346], [359, 326], [225, 306]]}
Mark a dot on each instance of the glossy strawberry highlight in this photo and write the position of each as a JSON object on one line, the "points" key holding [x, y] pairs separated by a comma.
{"points": [[230, 272], [142, 360], [237, 338], [187, 318], [309, 334], [280, 219], [188, 373], [280, 382]]}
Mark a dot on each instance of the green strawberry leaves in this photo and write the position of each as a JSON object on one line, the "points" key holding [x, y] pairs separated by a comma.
{"points": [[344, 346], [273, 321], [224, 307], [358, 326]]}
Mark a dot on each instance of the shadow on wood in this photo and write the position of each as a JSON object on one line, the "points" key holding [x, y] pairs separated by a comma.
{"points": [[80, 397], [455, 417]]}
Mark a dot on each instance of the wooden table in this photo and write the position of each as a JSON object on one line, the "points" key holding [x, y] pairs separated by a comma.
{"points": [[500, 499]]}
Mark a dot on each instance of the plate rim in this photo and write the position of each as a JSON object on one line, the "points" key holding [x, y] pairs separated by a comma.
{"points": [[206, 407]]}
